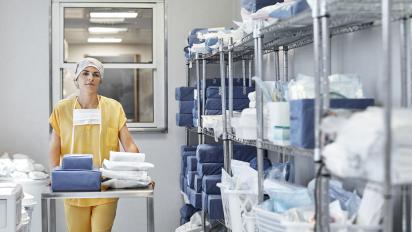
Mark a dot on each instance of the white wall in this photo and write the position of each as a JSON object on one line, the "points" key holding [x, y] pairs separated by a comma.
{"points": [[24, 98]]}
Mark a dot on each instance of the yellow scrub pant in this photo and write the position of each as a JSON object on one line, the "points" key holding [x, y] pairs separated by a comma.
{"points": [[97, 218]]}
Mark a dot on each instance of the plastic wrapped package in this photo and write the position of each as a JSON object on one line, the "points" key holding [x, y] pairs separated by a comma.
{"points": [[302, 118], [289, 9], [208, 153], [279, 171], [254, 5]]}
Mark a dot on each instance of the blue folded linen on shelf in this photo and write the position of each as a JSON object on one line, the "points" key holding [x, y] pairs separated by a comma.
{"points": [[266, 163], [207, 112], [214, 92], [209, 184], [187, 211], [187, 148], [216, 104], [75, 180], [184, 93], [182, 182], [184, 120], [191, 179], [198, 183], [186, 107], [204, 201], [215, 207], [185, 156], [195, 198], [302, 113], [191, 163], [218, 81], [185, 187], [77, 162], [295, 8], [208, 153], [209, 169]]}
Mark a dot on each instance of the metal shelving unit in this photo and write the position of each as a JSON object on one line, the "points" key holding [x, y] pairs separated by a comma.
{"points": [[328, 18]]}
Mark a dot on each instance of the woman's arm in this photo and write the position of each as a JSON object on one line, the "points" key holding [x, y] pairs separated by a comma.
{"points": [[54, 153], [127, 140]]}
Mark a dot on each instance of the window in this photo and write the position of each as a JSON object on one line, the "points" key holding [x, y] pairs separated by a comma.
{"points": [[129, 39]]}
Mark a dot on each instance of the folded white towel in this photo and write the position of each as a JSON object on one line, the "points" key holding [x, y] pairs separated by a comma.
{"points": [[119, 184], [126, 166], [124, 175], [127, 156]]}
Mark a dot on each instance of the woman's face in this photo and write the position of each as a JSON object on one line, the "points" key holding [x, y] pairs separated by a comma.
{"points": [[89, 80]]}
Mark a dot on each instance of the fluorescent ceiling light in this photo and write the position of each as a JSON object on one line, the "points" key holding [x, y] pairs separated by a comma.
{"points": [[104, 40], [106, 30], [113, 14], [107, 20]]}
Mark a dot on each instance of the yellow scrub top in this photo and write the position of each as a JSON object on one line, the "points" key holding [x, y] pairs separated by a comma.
{"points": [[86, 139]]}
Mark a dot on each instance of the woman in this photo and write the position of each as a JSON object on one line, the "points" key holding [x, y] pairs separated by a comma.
{"points": [[89, 124]]}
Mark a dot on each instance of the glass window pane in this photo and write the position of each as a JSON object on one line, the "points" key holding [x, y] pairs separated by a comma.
{"points": [[133, 88], [111, 32]]}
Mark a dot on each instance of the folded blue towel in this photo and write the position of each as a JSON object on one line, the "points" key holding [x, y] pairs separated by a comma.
{"points": [[207, 112], [195, 198], [187, 148], [186, 107], [215, 207], [191, 163], [75, 180], [214, 92], [216, 104], [208, 153], [187, 211], [77, 162], [302, 114], [287, 12], [184, 120], [185, 156], [191, 179], [182, 182], [217, 82], [185, 187], [209, 169], [204, 201], [209, 184], [184, 93], [198, 183]]}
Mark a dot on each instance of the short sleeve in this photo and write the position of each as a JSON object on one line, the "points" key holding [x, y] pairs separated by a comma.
{"points": [[122, 117], [54, 121]]}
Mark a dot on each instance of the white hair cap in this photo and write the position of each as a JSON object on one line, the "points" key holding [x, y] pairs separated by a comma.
{"points": [[88, 62]]}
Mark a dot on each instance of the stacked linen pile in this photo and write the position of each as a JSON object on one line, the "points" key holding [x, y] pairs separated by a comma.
{"points": [[209, 169], [76, 174], [126, 170], [20, 166], [184, 95]]}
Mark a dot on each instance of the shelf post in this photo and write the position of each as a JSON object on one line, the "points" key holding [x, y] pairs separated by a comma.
{"points": [[224, 115], [199, 107]]}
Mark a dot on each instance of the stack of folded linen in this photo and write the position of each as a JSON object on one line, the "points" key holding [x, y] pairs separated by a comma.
{"points": [[76, 174], [126, 170], [185, 96]]}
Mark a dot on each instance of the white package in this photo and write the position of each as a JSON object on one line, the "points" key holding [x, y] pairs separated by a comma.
{"points": [[124, 175], [120, 184], [126, 166], [35, 175], [371, 207], [127, 156]]}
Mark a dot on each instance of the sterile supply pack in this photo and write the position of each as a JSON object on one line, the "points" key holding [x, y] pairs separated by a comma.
{"points": [[127, 156], [126, 166], [75, 180], [77, 162]]}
